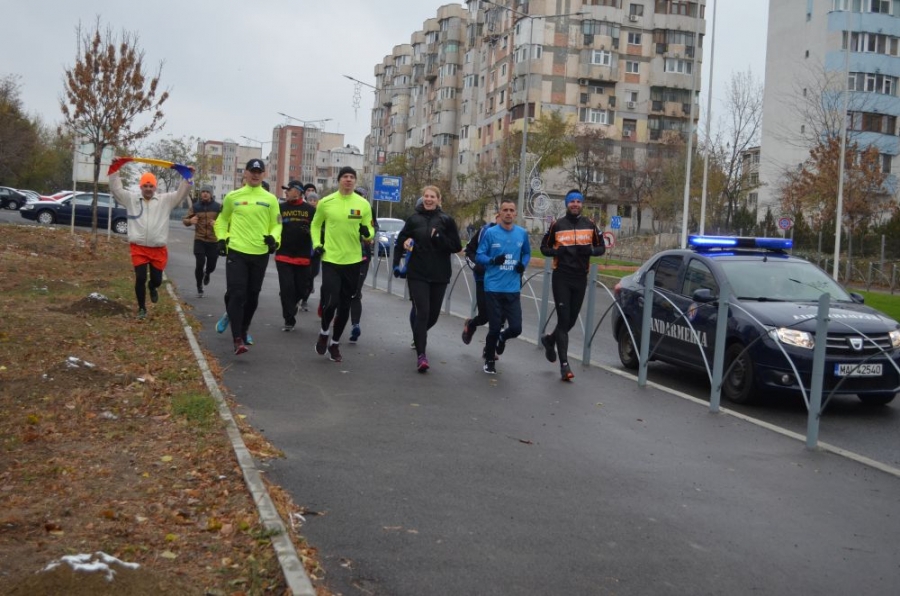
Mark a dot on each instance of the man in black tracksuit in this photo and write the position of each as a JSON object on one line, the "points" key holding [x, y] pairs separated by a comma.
{"points": [[293, 256], [481, 318], [571, 240]]}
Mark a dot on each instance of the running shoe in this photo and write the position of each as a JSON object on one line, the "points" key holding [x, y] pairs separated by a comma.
{"points": [[422, 365], [566, 372], [412, 345], [222, 325], [248, 339], [468, 332], [355, 332], [287, 327], [304, 306], [142, 313], [206, 279], [501, 344], [322, 344], [489, 367], [549, 347], [334, 353], [199, 291], [239, 347], [154, 295]]}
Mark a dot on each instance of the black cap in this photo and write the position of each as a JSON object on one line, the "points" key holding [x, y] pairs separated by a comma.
{"points": [[309, 185], [294, 184], [346, 170], [256, 164]]}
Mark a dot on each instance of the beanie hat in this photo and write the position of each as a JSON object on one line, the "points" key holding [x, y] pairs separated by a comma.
{"points": [[147, 177], [346, 170], [207, 188], [574, 195]]}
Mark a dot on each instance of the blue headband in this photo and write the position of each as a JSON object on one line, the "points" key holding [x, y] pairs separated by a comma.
{"points": [[574, 196]]}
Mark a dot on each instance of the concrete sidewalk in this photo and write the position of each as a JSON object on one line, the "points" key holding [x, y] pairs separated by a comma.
{"points": [[457, 482]]}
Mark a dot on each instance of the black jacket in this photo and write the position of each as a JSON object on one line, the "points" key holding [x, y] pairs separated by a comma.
{"points": [[430, 259], [296, 241], [472, 250], [572, 241]]}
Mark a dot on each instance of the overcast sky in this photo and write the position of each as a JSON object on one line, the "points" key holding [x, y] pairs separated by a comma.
{"points": [[232, 66]]}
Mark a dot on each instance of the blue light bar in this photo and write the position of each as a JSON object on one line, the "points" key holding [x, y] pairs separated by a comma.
{"points": [[740, 242]]}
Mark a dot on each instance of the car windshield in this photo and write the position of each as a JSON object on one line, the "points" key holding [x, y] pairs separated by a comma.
{"points": [[777, 279], [389, 227]]}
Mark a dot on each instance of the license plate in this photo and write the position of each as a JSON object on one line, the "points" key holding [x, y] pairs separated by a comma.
{"points": [[857, 370]]}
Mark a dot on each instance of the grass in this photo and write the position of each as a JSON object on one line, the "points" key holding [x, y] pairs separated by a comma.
{"points": [[197, 408], [886, 303]]}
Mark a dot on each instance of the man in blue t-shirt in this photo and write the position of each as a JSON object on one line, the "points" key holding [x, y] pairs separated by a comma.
{"points": [[504, 251]]}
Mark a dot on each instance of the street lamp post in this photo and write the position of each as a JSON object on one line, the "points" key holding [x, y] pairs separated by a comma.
{"points": [[690, 142], [529, 56]]}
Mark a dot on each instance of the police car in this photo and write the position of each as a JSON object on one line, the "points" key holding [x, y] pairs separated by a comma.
{"points": [[774, 298]]}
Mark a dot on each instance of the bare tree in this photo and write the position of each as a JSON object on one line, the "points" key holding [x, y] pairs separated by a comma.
{"points": [[180, 150], [105, 91], [592, 164]]}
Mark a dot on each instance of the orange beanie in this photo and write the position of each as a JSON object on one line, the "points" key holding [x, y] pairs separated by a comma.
{"points": [[148, 177]]}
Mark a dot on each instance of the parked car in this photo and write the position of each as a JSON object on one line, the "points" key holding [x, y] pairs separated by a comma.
{"points": [[31, 196], [774, 300], [58, 196], [50, 212], [388, 228], [10, 198]]}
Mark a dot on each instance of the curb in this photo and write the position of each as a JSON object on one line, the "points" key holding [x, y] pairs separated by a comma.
{"points": [[294, 572]]}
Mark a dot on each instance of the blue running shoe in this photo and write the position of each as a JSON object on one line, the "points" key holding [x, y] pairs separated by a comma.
{"points": [[248, 339], [222, 325], [355, 333]]}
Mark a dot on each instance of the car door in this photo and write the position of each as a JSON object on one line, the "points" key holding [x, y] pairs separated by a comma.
{"points": [[83, 212], [699, 316], [667, 285]]}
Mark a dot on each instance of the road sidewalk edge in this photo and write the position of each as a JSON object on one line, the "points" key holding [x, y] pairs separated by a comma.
{"points": [[291, 565]]}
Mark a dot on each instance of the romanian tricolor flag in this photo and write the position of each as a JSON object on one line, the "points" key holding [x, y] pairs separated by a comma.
{"points": [[356, 212], [121, 161]]}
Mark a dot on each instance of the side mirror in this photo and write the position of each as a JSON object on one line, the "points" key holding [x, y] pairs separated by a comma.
{"points": [[857, 298], [704, 296]]}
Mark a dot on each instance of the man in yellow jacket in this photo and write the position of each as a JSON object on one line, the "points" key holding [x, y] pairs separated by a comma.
{"points": [[346, 216], [249, 230]]}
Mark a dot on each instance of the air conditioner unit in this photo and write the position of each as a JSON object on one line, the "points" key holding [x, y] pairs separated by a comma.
{"points": [[633, 18], [631, 105], [626, 134]]}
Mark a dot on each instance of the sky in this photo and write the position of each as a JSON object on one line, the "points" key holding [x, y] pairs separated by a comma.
{"points": [[231, 67]]}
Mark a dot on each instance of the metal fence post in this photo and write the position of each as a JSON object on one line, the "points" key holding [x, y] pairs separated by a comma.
{"points": [[719, 351], [545, 299], [882, 254], [893, 276], [818, 373], [589, 316], [649, 280], [374, 271], [390, 272]]}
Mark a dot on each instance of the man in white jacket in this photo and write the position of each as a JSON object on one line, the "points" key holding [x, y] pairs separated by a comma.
{"points": [[148, 231]]}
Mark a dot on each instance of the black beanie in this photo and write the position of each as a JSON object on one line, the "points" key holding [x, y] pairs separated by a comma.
{"points": [[346, 170]]}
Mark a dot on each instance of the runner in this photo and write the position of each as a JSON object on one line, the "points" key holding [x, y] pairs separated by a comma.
{"points": [[571, 240], [366, 248], [249, 230], [293, 257], [504, 251], [481, 318], [345, 217], [148, 231], [311, 197], [202, 215], [432, 236]]}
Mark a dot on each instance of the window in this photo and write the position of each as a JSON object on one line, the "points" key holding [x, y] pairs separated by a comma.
{"points": [[632, 67], [679, 66], [886, 161], [595, 116], [631, 96], [627, 154], [754, 179], [451, 47], [634, 39], [636, 10], [503, 70], [667, 273], [601, 57], [502, 96], [699, 277]]}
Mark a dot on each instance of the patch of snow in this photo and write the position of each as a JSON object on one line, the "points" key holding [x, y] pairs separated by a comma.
{"points": [[109, 416], [98, 296], [97, 562]]}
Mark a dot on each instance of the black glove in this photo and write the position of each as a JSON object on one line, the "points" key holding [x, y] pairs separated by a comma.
{"points": [[319, 251], [223, 247], [478, 269], [498, 260], [520, 268], [599, 250], [364, 231], [398, 273], [270, 242], [583, 250]]}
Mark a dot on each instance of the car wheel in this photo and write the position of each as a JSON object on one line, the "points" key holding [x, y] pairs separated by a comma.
{"points": [[120, 226], [738, 386], [14, 205], [46, 217], [876, 399], [628, 354]]}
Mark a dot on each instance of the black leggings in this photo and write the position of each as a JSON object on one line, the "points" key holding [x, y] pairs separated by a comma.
{"points": [[426, 298], [568, 293], [338, 286], [356, 303], [206, 255], [292, 285], [244, 275], [481, 318], [140, 282]]}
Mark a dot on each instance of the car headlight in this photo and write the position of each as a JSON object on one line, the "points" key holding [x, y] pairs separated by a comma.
{"points": [[28, 207], [895, 338], [793, 337]]}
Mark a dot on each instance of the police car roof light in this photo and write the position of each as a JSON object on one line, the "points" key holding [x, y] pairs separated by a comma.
{"points": [[700, 242], [774, 243], [712, 241]]}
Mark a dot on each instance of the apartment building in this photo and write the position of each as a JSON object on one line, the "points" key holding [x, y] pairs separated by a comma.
{"points": [[807, 64], [462, 84], [330, 161], [222, 164]]}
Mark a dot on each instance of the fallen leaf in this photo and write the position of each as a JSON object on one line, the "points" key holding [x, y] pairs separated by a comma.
{"points": [[167, 554], [171, 537], [166, 458]]}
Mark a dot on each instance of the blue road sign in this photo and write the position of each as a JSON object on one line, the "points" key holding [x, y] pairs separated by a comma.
{"points": [[388, 188], [615, 222]]}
